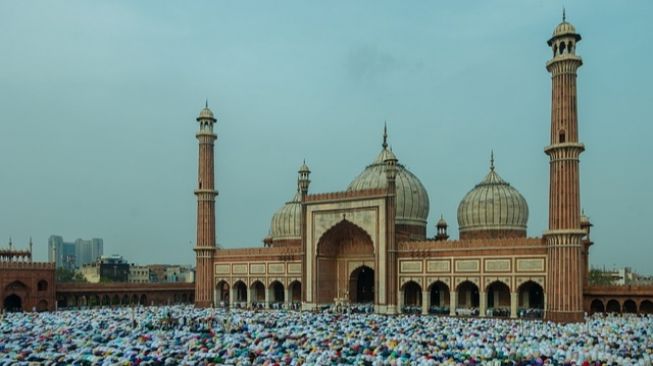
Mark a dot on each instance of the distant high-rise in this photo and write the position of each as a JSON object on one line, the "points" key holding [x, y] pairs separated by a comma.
{"points": [[74, 255]]}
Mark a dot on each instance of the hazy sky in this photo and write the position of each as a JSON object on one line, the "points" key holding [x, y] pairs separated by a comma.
{"points": [[98, 103]]}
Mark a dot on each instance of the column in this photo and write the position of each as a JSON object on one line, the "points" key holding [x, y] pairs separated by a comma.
{"points": [[400, 300], [426, 298], [513, 304], [453, 298], [482, 303], [249, 297], [232, 296], [267, 298], [286, 297]]}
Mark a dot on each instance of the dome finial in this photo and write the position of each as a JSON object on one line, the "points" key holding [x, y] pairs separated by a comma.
{"points": [[206, 103], [385, 135], [564, 16], [491, 159]]}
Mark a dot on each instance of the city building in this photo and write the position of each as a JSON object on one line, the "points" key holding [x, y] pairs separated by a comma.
{"points": [[76, 254], [171, 273], [138, 274], [106, 269], [25, 284], [368, 244]]}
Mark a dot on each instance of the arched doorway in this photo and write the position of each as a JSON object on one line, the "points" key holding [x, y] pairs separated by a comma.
{"points": [[277, 293], [339, 245], [134, 300], [412, 301], [258, 292], [240, 292], [468, 299], [221, 293], [115, 301], [531, 296], [143, 300], [613, 307], [630, 307], [295, 290], [646, 307], [439, 298], [597, 307], [498, 299], [361, 285], [13, 302]]}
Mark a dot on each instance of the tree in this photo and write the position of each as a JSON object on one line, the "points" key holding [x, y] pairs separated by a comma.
{"points": [[65, 275], [600, 277]]}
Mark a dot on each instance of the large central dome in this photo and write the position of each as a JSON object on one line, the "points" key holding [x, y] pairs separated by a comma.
{"points": [[412, 199]]}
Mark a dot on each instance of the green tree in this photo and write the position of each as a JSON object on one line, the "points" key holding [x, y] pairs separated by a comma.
{"points": [[600, 277], [65, 275]]}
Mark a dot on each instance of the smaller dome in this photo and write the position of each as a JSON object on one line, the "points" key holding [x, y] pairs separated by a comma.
{"points": [[286, 221], [206, 113], [584, 220], [304, 168], [493, 208], [442, 222], [564, 28]]}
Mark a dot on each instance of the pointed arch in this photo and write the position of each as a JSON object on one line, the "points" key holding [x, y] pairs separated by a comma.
{"points": [[340, 243], [629, 307], [646, 307], [412, 296], [295, 291], [258, 291], [240, 291], [277, 292], [613, 306], [361, 285], [468, 295], [440, 297]]}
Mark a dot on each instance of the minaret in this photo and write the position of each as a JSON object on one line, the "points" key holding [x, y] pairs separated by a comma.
{"points": [[303, 181], [390, 215], [564, 290], [206, 193]]}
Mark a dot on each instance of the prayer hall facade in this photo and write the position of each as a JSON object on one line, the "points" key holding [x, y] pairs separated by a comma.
{"points": [[368, 243]]}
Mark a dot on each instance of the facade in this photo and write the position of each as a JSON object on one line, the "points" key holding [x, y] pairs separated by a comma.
{"points": [[368, 244], [74, 255], [25, 284], [138, 274]]}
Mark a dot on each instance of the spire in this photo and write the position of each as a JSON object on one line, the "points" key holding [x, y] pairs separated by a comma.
{"points": [[385, 135], [206, 103], [564, 16], [491, 159]]}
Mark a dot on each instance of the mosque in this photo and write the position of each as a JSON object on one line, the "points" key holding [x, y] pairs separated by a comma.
{"points": [[368, 243]]}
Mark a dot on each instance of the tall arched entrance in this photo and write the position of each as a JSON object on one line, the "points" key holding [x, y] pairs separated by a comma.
{"points": [[13, 302], [15, 293], [345, 265], [361, 285]]}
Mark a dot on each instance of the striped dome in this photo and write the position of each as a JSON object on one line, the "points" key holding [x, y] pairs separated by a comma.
{"points": [[287, 220], [493, 205], [412, 199]]}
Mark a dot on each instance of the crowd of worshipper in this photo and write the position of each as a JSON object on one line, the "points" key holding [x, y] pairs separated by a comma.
{"points": [[184, 335]]}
